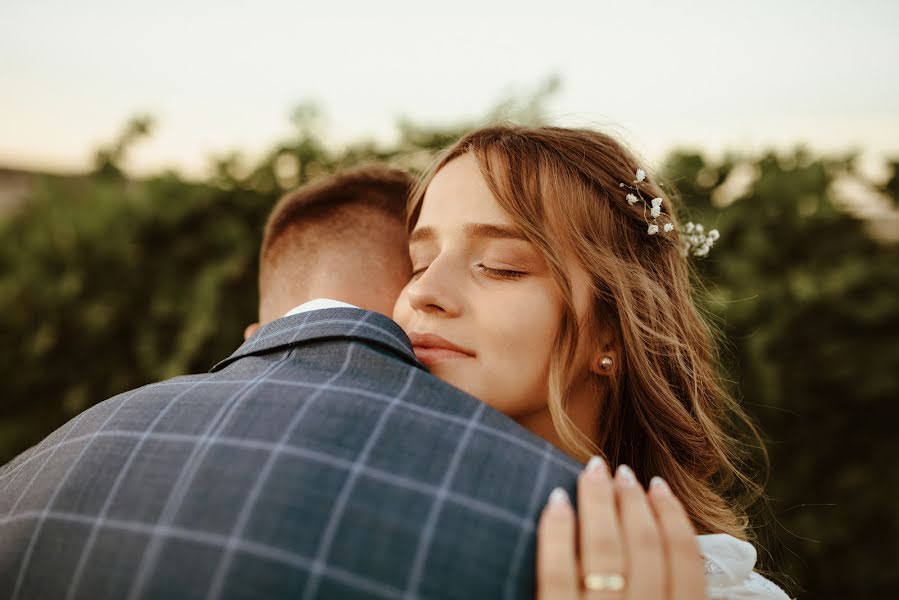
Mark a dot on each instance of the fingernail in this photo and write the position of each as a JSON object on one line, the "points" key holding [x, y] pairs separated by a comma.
{"points": [[558, 497], [596, 469], [658, 486], [625, 476]]}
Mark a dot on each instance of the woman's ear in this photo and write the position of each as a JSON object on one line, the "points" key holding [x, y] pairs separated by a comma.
{"points": [[604, 363]]}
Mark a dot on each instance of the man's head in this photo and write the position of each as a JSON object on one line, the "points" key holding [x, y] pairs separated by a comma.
{"points": [[341, 237]]}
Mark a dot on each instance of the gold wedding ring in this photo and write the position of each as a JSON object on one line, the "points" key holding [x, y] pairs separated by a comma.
{"points": [[604, 582]]}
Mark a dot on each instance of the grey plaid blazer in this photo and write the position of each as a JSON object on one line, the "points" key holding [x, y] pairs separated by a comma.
{"points": [[320, 460]]}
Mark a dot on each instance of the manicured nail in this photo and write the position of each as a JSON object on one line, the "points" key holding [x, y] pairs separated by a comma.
{"points": [[596, 469], [558, 498], [658, 486], [625, 476]]}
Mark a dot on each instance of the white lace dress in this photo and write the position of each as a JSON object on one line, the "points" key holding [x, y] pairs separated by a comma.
{"points": [[729, 574]]}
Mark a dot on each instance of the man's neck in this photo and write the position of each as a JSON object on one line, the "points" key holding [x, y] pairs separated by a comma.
{"points": [[375, 298], [318, 304]]}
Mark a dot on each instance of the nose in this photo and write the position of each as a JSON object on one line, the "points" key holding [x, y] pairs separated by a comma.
{"points": [[437, 290]]}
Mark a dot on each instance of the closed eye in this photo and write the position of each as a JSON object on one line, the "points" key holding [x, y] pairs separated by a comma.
{"points": [[502, 273]]}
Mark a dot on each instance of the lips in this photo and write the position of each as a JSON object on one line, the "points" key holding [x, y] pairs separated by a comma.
{"points": [[430, 348]]}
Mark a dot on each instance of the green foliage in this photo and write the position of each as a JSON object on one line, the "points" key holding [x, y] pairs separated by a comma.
{"points": [[807, 301], [108, 283], [107, 159]]}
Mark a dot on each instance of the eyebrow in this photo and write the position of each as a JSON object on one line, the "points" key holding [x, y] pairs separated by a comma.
{"points": [[475, 230]]}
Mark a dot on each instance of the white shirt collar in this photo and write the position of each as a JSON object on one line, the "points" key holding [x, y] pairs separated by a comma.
{"points": [[318, 304]]}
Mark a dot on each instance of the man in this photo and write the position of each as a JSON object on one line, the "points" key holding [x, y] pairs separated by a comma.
{"points": [[320, 460]]}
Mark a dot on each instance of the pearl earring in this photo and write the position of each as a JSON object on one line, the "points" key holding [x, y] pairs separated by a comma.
{"points": [[606, 362]]}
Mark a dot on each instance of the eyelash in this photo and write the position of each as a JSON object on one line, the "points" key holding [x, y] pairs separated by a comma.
{"points": [[501, 273]]}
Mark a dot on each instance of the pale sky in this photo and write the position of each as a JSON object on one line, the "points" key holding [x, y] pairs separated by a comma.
{"points": [[220, 75]]}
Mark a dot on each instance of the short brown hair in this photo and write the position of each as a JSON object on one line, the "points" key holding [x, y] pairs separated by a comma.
{"points": [[378, 187], [349, 213]]}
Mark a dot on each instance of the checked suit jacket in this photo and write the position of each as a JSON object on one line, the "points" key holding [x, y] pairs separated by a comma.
{"points": [[320, 460]]}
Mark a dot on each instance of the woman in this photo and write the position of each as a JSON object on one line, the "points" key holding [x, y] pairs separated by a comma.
{"points": [[557, 294]]}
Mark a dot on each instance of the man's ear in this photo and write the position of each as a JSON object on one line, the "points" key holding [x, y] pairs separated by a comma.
{"points": [[605, 363], [250, 330]]}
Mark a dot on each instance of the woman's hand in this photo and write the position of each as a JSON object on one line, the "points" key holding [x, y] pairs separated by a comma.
{"points": [[633, 545]]}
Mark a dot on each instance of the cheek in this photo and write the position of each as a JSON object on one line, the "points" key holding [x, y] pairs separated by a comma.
{"points": [[523, 334], [528, 324]]}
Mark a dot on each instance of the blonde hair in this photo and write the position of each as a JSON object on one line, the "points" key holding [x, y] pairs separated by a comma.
{"points": [[665, 412]]}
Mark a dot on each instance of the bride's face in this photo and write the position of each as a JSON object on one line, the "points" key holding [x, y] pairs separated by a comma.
{"points": [[479, 285]]}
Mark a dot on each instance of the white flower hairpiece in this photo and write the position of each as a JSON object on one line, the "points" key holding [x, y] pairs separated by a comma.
{"points": [[694, 241]]}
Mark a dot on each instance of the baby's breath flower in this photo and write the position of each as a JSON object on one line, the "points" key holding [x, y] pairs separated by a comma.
{"points": [[696, 242], [693, 238]]}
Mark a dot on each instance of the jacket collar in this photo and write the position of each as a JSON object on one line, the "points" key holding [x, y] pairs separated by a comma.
{"points": [[348, 323]]}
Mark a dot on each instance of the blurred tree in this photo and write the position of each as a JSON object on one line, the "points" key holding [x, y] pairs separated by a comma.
{"points": [[891, 187], [808, 302], [108, 159]]}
